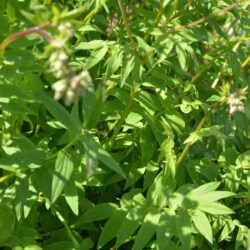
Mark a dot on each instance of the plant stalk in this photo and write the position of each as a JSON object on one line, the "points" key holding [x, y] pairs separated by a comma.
{"points": [[199, 127], [124, 115], [201, 20], [38, 30], [70, 234], [125, 20]]}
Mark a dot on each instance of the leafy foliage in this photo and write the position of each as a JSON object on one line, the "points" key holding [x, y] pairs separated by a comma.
{"points": [[124, 126]]}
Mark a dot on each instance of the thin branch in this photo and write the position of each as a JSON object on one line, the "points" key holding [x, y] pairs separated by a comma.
{"points": [[201, 20], [157, 20], [125, 20], [242, 204], [38, 30], [179, 12], [245, 63], [68, 230], [124, 115]]}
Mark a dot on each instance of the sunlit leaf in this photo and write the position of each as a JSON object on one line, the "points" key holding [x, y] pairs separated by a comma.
{"points": [[183, 227], [202, 224], [147, 229], [111, 227], [214, 208], [72, 197], [102, 155], [96, 213], [63, 170]]}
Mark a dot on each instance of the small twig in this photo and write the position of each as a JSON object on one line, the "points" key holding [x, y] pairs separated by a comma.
{"points": [[124, 115], [179, 12], [38, 30], [125, 20], [219, 75], [244, 64], [242, 204], [67, 228], [71, 143], [201, 20], [156, 21]]}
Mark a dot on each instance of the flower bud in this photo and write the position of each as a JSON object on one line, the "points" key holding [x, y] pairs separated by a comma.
{"points": [[66, 29], [70, 97], [59, 87]]}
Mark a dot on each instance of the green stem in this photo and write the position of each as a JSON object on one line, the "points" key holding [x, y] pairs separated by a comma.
{"points": [[75, 12], [244, 64], [16, 172], [89, 17], [242, 204], [70, 234], [125, 20], [120, 122], [179, 12], [6, 177], [199, 127], [72, 142], [157, 19]]}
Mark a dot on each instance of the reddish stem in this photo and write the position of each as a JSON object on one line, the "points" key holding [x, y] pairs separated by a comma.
{"points": [[38, 30]]}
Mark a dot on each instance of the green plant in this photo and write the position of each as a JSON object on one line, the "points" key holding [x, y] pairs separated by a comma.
{"points": [[124, 124]]}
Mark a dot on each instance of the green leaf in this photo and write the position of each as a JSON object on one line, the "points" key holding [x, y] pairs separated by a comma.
{"points": [[202, 190], [146, 144], [130, 223], [87, 244], [99, 212], [162, 186], [183, 227], [63, 170], [94, 44], [165, 230], [31, 159], [214, 208], [114, 62], [216, 195], [205, 132], [33, 247], [242, 232], [95, 57], [92, 106], [129, 63], [60, 244], [202, 224], [227, 230], [110, 228], [175, 120], [101, 154], [7, 223], [22, 191], [72, 197], [59, 112], [181, 56], [42, 179], [244, 160], [147, 229]]}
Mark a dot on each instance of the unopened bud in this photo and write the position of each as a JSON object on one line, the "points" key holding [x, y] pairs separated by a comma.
{"points": [[66, 29], [70, 97], [59, 88]]}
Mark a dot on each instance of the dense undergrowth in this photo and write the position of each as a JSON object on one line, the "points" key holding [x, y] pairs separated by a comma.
{"points": [[124, 124]]}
